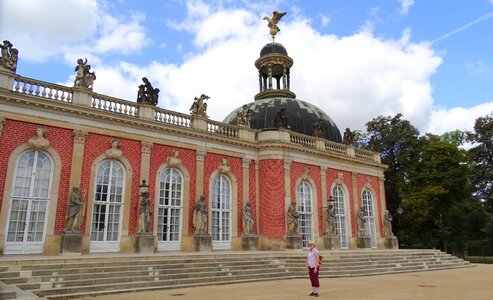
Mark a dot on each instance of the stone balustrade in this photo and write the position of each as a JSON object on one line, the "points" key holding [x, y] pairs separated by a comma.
{"points": [[42, 89], [86, 97]]}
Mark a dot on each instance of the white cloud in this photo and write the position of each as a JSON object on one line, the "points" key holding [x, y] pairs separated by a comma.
{"points": [[443, 120], [68, 28], [405, 5], [477, 68], [325, 20]]}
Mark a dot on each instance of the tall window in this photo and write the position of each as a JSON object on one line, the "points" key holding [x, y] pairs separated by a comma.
{"points": [[305, 210], [340, 215], [29, 203], [170, 209], [108, 206], [221, 212], [370, 217]]}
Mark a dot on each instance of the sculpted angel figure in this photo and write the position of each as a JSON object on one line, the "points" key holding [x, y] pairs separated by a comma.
{"points": [[84, 77], [272, 22]]}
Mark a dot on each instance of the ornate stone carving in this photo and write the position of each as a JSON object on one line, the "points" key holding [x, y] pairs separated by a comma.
{"points": [[281, 120], [272, 22], [247, 219], [340, 178], [79, 136], [9, 56], [146, 146], [246, 163], [144, 212], [200, 155], [38, 141], [318, 129], [387, 224], [200, 217], [287, 165], [173, 161], [75, 211], [292, 219], [84, 77], [2, 122], [330, 220], [348, 137], [224, 167], [147, 94], [368, 183], [114, 152], [361, 221], [306, 174], [243, 117], [199, 106]]}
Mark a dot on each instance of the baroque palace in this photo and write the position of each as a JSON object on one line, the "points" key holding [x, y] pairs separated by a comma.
{"points": [[82, 172]]}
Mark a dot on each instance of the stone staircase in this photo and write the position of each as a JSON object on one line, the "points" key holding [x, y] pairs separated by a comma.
{"points": [[71, 277]]}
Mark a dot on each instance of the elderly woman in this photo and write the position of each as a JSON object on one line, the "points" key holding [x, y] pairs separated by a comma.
{"points": [[313, 267]]}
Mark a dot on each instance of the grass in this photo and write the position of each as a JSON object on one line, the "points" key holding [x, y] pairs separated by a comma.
{"points": [[480, 259]]}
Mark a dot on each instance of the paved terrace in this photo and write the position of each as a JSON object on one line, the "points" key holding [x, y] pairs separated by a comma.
{"points": [[474, 283]]}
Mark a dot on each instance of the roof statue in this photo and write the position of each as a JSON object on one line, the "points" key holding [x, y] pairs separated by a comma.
{"points": [[272, 22]]}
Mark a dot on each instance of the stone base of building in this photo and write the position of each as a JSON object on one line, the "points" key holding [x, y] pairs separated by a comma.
{"points": [[331, 242], [144, 242], [364, 242], [202, 242], [391, 242], [71, 243], [249, 242], [294, 242]]}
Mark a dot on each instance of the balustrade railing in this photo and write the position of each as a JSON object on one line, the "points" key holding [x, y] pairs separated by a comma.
{"points": [[42, 89], [222, 129], [335, 147], [364, 154], [172, 118], [119, 106], [301, 139]]}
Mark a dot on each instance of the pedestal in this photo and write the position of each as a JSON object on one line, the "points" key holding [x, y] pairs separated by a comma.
{"points": [[144, 242], [71, 243], [294, 241], [332, 242], [202, 242], [249, 242], [364, 242], [391, 242]]}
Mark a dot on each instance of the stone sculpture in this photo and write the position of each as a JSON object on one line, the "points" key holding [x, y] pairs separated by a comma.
{"points": [[247, 219], [330, 220], [293, 219], [387, 224], [9, 56], [243, 117], [200, 217], [361, 221], [147, 94], [348, 137], [84, 78], [75, 210], [199, 106], [144, 212]]}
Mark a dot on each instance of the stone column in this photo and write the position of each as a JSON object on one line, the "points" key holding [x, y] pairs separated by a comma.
{"points": [[145, 242], [145, 164], [2, 122], [251, 240], [199, 186], [71, 242], [257, 197], [354, 235]]}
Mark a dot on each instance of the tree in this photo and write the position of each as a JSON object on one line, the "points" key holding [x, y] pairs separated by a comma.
{"points": [[481, 156]]}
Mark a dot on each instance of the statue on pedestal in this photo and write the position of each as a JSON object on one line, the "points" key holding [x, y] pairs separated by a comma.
{"points": [[199, 106], [75, 211], [84, 77], [147, 94], [361, 221], [247, 219], [330, 220], [293, 219], [144, 213], [387, 224], [200, 217], [9, 56]]}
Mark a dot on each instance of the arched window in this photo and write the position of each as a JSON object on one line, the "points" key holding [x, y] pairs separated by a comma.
{"points": [[221, 213], [305, 210], [169, 210], [108, 207], [29, 203], [340, 215], [370, 217]]}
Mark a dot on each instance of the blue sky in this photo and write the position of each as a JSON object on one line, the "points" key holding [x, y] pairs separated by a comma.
{"points": [[431, 60]]}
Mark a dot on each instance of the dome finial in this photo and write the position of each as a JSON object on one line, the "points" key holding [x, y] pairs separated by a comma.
{"points": [[272, 22]]}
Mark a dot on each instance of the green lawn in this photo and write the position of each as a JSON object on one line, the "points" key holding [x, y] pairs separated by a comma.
{"points": [[480, 259]]}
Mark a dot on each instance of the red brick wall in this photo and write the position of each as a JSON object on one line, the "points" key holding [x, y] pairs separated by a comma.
{"points": [[211, 162], [159, 154], [314, 173], [16, 133], [332, 175], [272, 207], [96, 145]]}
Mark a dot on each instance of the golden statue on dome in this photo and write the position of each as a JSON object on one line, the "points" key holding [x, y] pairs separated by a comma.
{"points": [[272, 22]]}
